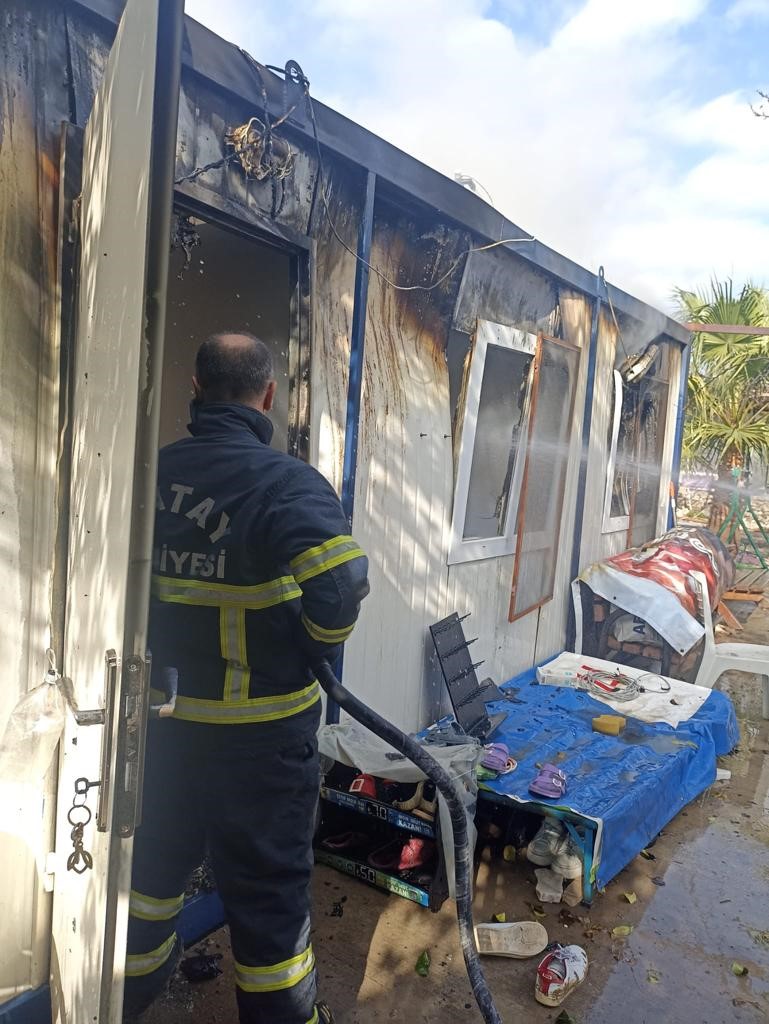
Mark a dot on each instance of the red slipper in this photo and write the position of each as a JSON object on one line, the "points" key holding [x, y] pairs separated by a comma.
{"points": [[415, 853]]}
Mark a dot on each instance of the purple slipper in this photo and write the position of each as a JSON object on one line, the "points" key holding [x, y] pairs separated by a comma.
{"points": [[495, 757], [550, 782]]}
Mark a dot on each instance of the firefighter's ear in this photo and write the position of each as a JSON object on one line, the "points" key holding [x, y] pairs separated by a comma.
{"points": [[269, 396], [197, 388]]}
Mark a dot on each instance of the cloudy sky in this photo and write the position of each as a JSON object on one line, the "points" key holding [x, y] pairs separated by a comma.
{"points": [[617, 131]]}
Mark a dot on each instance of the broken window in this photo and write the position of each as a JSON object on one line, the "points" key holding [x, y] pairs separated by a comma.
{"points": [[636, 441], [544, 478], [491, 442]]}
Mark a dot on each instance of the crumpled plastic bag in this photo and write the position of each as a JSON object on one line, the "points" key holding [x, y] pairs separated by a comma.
{"points": [[32, 733], [549, 885]]}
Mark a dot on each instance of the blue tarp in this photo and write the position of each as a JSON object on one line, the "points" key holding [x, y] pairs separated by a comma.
{"points": [[634, 783]]}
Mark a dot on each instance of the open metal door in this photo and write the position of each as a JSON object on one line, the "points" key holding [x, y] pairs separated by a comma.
{"points": [[124, 215]]}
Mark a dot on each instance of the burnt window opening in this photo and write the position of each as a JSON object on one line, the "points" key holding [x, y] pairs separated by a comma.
{"points": [[544, 478], [636, 442], [491, 386]]}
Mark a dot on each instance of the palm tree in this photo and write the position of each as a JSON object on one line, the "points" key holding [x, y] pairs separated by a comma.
{"points": [[727, 415]]}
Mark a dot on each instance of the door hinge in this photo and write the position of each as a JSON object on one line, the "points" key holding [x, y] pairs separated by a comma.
{"points": [[49, 870]]}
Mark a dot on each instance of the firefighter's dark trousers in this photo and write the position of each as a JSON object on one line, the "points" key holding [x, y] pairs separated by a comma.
{"points": [[247, 795]]}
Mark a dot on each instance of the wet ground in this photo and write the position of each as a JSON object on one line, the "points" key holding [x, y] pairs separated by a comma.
{"points": [[701, 913]]}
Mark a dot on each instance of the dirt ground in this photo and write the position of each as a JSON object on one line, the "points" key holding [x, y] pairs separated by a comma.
{"points": [[702, 905]]}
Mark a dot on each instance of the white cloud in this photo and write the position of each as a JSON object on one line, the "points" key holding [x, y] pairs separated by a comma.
{"points": [[592, 140], [747, 10]]}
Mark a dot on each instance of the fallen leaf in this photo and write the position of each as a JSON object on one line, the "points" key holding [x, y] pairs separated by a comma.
{"points": [[622, 930], [712, 818], [760, 937], [630, 897], [566, 917], [647, 855], [653, 977], [564, 1017], [738, 970], [508, 854], [423, 964], [658, 881], [500, 918], [536, 909]]}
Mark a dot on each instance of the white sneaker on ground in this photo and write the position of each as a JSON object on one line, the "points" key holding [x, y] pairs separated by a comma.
{"points": [[567, 860], [546, 842], [559, 974]]}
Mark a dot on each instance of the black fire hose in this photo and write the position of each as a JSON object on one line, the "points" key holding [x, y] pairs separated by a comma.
{"points": [[445, 784]]}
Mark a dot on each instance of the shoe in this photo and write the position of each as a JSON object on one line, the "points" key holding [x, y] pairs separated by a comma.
{"points": [[344, 841], [364, 785], [567, 861], [323, 1013], [413, 801], [544, 845], [399, 856], [559, 974], [549, 782]]}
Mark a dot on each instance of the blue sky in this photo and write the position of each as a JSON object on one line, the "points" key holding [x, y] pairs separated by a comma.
{"points": [[618, 131]]}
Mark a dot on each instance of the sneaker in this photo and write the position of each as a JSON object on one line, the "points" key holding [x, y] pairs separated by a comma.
{"points": [[545, 843], [323, 1013], [559, 974], [567, 861]]}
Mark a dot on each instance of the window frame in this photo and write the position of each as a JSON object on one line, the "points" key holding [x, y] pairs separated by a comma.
{"points": [[540, 539], [462, 550], [610, 523]]}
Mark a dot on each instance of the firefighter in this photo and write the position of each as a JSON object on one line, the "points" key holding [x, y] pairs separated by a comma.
{"points": [[255, 575]]}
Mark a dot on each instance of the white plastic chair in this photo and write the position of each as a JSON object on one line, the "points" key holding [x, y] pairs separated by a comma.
{"points": [[718, 658]]}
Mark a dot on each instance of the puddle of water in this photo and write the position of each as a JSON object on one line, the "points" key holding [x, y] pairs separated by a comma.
{"points": [[692, 931]]}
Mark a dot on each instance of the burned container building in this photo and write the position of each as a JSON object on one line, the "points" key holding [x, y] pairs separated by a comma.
{"points": [[454, 378]]}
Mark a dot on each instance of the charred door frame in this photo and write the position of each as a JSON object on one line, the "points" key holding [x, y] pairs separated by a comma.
{"points": [[301, 252]]}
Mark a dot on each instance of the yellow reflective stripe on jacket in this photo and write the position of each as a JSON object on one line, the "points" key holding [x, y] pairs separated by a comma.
{"points": [[214, 595], [139, 964], [150, 908], [232, 643], [327, 636], [243, 712], [325, 556], [278, 976], [315, 1018]]}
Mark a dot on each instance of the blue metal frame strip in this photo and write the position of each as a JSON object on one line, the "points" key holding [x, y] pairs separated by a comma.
{"points": [[355, 379], [201, 915], [587, 424], [675, 472], [29, 1008]]}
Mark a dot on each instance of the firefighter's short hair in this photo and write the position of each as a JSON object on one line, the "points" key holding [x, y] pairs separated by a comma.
{"points": [[232, 366]]}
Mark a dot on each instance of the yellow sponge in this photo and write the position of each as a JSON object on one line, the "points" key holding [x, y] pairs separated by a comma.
{"points": [[612, 725]]}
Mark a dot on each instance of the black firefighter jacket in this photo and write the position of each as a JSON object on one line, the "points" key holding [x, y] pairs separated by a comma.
{"points": [[255, 572]]}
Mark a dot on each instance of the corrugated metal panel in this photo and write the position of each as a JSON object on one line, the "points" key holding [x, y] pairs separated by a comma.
{"points": [[33, 102], [596, 544], [576, 313], [332, 289], [404, 480], [674, 370]]}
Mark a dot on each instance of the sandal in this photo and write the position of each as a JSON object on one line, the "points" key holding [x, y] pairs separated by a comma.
{"points": [[550, 782], [495, 757], [344, 841], [413, 801], [399, 856]]}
